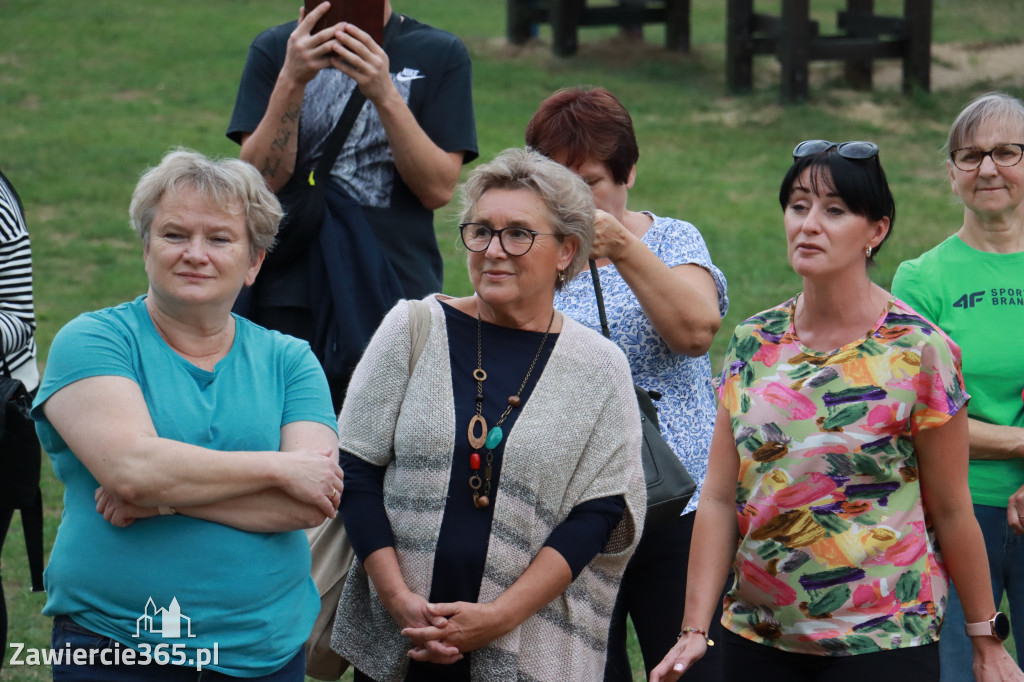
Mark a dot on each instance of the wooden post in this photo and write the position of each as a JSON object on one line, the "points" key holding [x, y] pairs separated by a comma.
{"points": [[918, 60], [518, 20], [793, 48], [739, 46], [677, 25], [858, 72], [565, 22]]}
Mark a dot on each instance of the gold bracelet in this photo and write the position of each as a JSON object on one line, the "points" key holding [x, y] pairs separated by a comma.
{"points": [[702, 633]]}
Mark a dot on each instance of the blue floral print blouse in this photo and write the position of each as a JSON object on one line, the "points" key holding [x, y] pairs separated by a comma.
{"points": [[687, 408]]}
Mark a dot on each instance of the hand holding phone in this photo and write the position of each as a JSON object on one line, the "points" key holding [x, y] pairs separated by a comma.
{"points": [[366, 14]]}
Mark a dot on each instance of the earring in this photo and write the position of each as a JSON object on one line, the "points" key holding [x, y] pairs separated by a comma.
{"points": [[561, 278], [867, 252]]}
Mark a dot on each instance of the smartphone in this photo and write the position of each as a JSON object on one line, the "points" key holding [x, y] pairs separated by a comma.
{"points": [[366, 14]]}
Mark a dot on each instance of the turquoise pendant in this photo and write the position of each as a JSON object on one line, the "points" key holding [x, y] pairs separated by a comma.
{"points": [[494, 437]]}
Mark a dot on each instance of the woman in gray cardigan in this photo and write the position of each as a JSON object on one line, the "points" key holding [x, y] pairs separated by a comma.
{"points": [[494, 491]]}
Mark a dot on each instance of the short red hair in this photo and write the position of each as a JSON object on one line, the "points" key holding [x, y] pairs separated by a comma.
{"points": [[581, 124]]}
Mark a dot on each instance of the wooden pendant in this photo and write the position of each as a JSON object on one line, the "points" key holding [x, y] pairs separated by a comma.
{"points": [[477, 438], [481, 501]]}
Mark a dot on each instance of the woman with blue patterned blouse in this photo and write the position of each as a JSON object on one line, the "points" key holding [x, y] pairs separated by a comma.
{"points": [[665, 300]]}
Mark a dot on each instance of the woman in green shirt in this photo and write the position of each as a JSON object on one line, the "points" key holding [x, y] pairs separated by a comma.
{"points": [[972, 286]]}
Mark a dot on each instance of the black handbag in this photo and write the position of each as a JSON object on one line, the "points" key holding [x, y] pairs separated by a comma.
{"points": [[20, 462], [669, 484], [20, 458], [303, 199], [304, 195]]}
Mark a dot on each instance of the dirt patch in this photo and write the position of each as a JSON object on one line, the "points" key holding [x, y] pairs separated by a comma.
{"points": [[736, 113], [954, 66], [131, 95], [960, 65], [46, 214]]}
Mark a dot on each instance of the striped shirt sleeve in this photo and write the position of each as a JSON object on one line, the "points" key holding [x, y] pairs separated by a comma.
{"points": [[17, 317]]}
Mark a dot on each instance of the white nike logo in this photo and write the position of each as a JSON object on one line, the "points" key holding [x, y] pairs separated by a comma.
{"points": [[408, 74]]}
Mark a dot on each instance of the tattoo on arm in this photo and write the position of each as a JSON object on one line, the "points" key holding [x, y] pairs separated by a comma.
{"points": [[291, 115], [270, 167], [281, 141], [290, 119]]}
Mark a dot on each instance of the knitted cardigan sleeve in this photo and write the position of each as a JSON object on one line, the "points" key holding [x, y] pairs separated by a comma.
{"points": [[366, 425]]}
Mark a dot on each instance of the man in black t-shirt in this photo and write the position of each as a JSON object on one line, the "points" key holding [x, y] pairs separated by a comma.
{"points": [[402, 158]]}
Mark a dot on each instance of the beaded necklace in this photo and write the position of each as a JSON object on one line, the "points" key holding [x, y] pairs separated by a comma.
{"points": [[478, 435]]}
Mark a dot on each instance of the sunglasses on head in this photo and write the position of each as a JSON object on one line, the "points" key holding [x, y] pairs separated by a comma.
{"points": [[848, 150]]}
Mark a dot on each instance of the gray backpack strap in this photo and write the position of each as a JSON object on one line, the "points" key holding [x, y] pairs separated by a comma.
{"points": [[419, 329]]}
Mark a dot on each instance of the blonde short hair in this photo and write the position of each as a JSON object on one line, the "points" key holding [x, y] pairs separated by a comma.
{"points": [[992, 107], [567, 197], [228, 182]]}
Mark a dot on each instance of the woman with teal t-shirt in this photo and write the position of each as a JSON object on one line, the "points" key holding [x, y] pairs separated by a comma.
{"points": [[194, 447], [972, 286]]}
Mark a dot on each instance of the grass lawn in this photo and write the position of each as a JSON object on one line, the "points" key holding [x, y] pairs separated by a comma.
{"points": [[91, 93]]}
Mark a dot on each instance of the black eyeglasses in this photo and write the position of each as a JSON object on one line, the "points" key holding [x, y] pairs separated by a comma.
{"points": [[515, 240], [848, 150], [1005, 155]]}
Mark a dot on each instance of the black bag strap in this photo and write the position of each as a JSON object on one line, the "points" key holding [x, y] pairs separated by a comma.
{"points": [[646, 405], [600, 299], [32, 526], [335, 141], [338, 136]]}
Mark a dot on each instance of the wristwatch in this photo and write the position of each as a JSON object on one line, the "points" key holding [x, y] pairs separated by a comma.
{"points": [[997, 626]]}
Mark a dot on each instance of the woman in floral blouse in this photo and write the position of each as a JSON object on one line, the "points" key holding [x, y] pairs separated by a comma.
{"points": [[665, 300], [838, 465]]}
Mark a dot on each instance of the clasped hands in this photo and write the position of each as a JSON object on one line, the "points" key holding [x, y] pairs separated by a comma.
{"points": [[443, 633]]}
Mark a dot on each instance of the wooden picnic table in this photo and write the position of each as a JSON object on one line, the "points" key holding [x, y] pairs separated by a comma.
{"points": [[566, 16], [795, 41]]}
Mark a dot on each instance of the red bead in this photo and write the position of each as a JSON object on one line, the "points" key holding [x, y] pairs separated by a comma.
{"points": [[474, 461]]}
